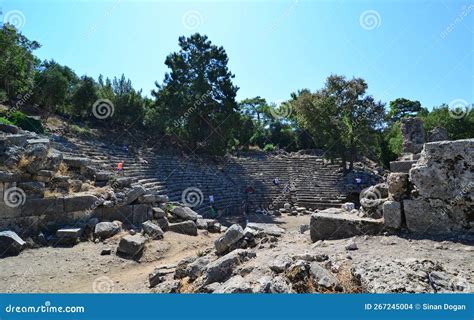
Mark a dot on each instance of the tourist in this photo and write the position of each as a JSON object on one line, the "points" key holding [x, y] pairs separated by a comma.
{"points": [[276, 181], [120, 168]]}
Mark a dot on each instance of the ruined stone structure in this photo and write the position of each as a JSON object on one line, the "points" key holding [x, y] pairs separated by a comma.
{"points": [[35, 165]]}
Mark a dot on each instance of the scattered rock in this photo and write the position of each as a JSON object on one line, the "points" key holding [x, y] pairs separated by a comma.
{"points": [[152, 230], [185, 227], [104, 230], [131, 245], [231, 236], [10, 243]]}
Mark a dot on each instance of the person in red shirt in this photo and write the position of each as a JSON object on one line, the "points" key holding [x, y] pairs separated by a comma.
{"points": [[120, 168]]}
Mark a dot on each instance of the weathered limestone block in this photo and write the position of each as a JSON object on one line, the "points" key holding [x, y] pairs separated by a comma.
{"points": [[392, 214], [37, 207], [76, 162], [184, 213], [104, 230], [413, 135], [10, 243], [131, 245], [81, 202], [397, 185], [435, 217], [221, 269], [231, 236], [152, 230], [134, 193], [185, 227], [445, 170], [122, 213], [266, 228], [141, 213], [331, 226], [438, 134]]}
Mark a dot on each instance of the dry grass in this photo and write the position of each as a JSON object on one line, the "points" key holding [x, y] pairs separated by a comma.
{"points": [[347, 281], [52, 194], [24, 162], [63, 169]]}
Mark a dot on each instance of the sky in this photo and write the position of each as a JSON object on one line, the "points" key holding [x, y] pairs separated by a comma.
{"points": [[420, 50]]}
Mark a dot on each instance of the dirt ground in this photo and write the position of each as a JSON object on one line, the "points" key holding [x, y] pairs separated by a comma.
{"points": [[82, 268]]}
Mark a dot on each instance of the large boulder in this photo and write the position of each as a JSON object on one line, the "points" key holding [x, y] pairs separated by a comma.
{"points": [[152, 230], [104, 230], [397, 185], [338, 226], [134, 193], [236, 284], [74, 203], [10, 243], [443, 195], [221, 269], [185, 227], [231, 236], [392, 214], [266, 228], [185, 213], [131, 245]]}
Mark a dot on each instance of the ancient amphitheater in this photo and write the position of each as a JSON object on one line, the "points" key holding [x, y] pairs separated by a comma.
{"points": [[255, 222]]}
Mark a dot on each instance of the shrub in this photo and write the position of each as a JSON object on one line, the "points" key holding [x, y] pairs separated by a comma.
{"points": [[25, 122], [4, 120], [269, 147]]}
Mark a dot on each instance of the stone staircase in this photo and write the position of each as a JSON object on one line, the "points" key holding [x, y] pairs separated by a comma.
{"points": [[305, 180]]}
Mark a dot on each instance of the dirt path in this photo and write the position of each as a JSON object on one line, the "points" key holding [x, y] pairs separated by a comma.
{"points": [[82, 268]]}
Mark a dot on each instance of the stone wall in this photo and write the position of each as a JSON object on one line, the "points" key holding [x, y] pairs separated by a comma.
{"points": [[436, 196]]}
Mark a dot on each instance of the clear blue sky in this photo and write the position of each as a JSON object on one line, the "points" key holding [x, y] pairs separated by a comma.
{"points": [[422, 50]]}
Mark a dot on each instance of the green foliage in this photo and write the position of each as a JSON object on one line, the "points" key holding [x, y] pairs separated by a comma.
{"points": [[83, 97], [196, 102], [401, 107], [341, 118], [17, 62], [81, 131], [4, 120], [52, 84], [269, 147], [25, 122], [394, 139], [457, 127]]}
